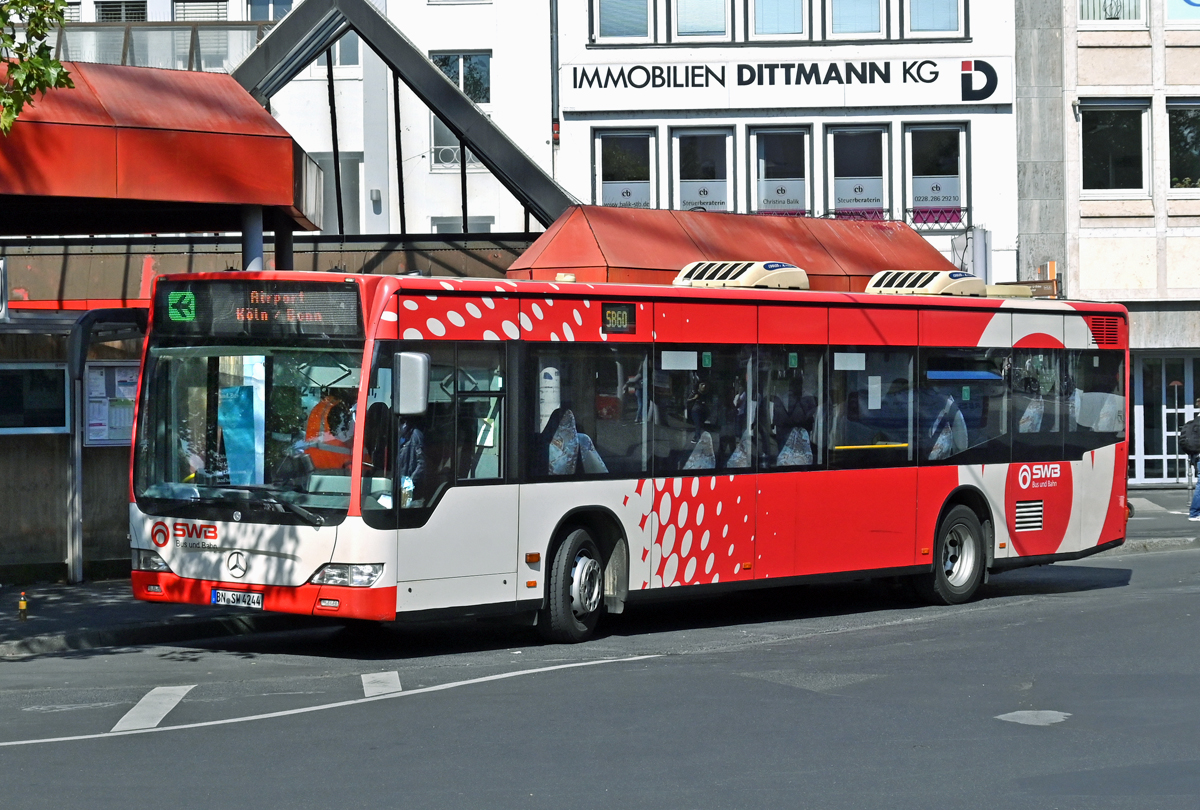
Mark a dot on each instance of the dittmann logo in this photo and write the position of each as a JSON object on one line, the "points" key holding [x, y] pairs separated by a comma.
{"points": [[1038, 476], [188, 536]]}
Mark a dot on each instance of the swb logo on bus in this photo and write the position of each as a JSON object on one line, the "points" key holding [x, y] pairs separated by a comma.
{"points": [[160, 535]]}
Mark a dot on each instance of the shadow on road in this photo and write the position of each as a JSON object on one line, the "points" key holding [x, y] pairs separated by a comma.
{"points": [[370, 641]]}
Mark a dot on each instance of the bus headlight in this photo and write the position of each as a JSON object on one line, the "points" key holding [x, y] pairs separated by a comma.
{"points": [[144, 560], [355, 575]]}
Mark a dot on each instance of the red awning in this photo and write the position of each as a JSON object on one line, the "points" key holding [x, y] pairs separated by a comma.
{"points": [[144, 150], [651, 246]]}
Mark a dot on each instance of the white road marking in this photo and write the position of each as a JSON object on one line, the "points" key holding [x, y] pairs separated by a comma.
{"points": [[380, 683], [338, 705], [1146, 505], [1032, 718], [152, 708]]}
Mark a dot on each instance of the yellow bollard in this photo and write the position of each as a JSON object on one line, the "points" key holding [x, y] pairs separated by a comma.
{"points": [[22, 607]]}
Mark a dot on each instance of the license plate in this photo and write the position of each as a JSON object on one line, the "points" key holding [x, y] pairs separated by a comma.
{"points": [[238, 599]]}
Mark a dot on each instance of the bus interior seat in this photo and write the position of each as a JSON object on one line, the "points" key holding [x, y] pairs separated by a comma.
{"points": [[702, 457]]}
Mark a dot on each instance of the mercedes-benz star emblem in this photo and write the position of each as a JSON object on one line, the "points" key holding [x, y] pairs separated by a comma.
{"points": [[236, 562], [237, 515]]}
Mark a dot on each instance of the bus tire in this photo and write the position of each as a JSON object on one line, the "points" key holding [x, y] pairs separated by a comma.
{"points": [[958, 561], [575, 594]]}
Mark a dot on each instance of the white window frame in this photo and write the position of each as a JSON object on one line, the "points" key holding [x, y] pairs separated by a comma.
{"points": [[1140, 24], [1147, 167], [598, 161], [1178, 24], [1179, 193], [475, 166], [688, 38], [651, 6], [886, 145], [730, 165], [805, 15], [752, 164], [908, 33], [340, 71], [67, 406], [964, 184], [884, 6], [472, 222]]}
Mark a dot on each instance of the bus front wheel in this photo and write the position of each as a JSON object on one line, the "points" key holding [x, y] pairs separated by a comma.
{"points": [[958, 560], [576, 590]]}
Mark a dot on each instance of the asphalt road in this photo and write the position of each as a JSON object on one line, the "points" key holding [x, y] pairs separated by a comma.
{"points": [[1073, 685]]}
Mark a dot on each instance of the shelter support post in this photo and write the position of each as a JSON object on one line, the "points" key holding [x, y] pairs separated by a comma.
{"points": [[75, 489], [462, 174], [252, 238], [284, 250]]}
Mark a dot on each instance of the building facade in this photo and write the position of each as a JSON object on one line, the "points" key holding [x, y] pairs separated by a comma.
{"points": [[1130, 123]]}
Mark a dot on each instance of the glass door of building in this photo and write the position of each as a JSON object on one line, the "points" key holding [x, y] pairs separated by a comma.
{"points": [[1164, 389]]}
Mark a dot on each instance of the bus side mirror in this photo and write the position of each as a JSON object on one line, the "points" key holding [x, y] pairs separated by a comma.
{"points": [[410, 383]]}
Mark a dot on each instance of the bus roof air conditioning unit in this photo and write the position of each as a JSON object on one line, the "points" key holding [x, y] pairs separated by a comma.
{"points": [[926, 282], [778, 275]]}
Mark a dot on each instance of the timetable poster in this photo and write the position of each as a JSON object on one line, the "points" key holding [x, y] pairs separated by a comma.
{"points": [[111, 391]]}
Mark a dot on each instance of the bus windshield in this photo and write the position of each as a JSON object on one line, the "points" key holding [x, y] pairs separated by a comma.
{"points": [[264, 429]]}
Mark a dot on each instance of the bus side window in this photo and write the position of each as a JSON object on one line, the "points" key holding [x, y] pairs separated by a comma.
{"points": [[1095, 401], [788, 408], [589, 419], [1038, 415], [872, 406], [963, 416]]}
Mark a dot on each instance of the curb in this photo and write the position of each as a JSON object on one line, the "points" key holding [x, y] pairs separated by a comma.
{"points": [[1142, 545], [160, 633]]}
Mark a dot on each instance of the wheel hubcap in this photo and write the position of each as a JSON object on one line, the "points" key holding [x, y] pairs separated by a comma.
{"points": [[585, 586], [958, 556]]}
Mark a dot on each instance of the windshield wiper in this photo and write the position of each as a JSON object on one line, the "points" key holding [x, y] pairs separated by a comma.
{"points": [[264, 496]]}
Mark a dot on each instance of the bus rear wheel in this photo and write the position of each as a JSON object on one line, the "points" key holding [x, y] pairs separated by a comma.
{"points": [[958, 560], [576, 590]]}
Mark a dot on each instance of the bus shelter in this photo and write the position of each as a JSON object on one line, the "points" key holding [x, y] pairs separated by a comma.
{"points": [[127, 151]]}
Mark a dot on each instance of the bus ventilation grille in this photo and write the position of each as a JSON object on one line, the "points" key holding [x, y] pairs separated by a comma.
{"points": [[1106, 331], [1029, 515], [926, 282]]}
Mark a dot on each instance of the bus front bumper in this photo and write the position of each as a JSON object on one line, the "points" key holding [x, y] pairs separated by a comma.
{"points": [[372, 604]]}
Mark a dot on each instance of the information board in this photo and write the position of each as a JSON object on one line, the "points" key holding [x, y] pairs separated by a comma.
{"points": [[110, 391], [262, 309]]}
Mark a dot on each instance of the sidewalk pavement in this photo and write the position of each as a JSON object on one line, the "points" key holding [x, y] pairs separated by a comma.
{"points": [[64, 618]]}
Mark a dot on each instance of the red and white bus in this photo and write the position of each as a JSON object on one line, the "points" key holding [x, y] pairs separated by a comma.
{"points": [[377, 447]]}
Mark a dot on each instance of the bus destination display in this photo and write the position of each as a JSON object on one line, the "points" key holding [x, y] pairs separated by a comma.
{"points": [[618, 319], [258, 309]]}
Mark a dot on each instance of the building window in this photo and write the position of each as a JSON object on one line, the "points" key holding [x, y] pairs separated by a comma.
{"points": [[1183, 125], [200, 10], [121, 11], [351, 164], [860, 187], [72, 13], [855, 18], [701, 18], [472, 74], [454, 224], [702, 161], [269, 9], [1115, 146], [935, 18], [623, 19], [1184, 13], [345, 51], [780, 171], [625, 169], [935, 177], [776, 19], [1109, 12]]}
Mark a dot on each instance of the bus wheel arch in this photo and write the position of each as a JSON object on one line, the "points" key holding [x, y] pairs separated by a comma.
{"points": [[603, 531], [962, 550]]}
